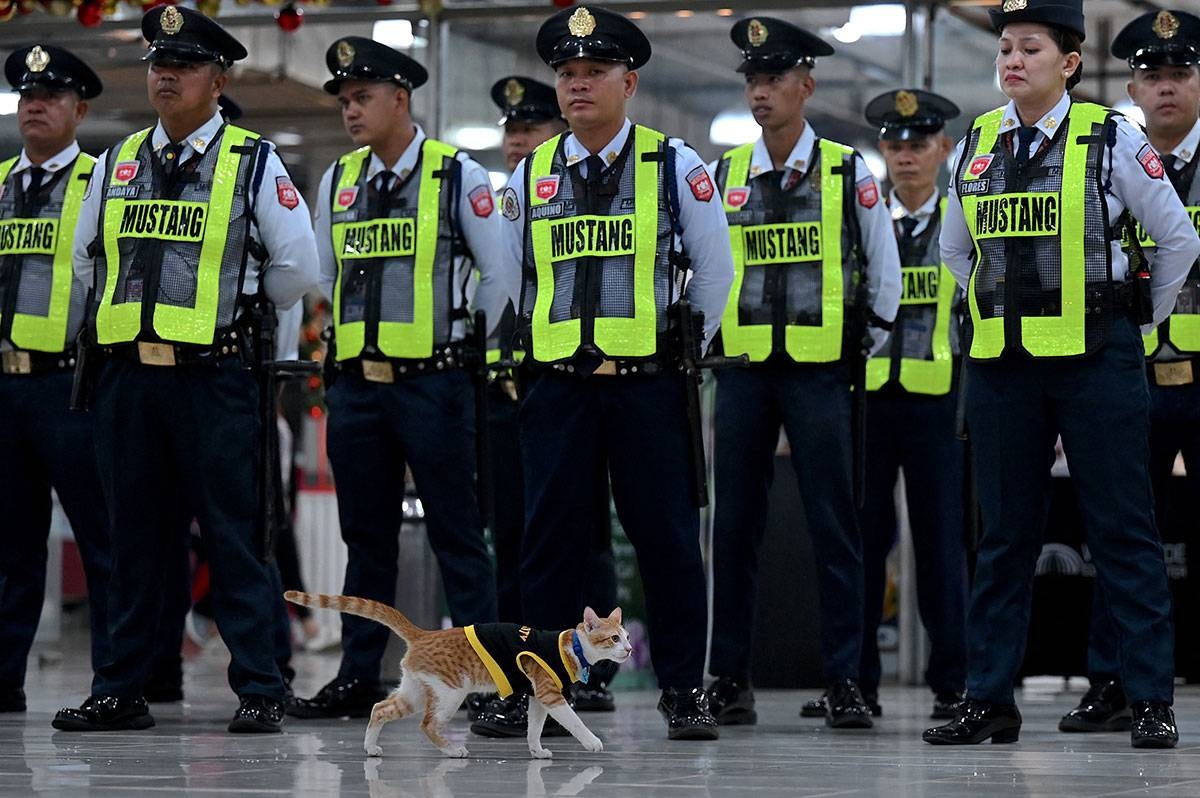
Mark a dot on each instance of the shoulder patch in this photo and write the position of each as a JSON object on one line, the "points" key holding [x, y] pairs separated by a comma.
{"points": [[509, 207], [868, 192], [700, 183], [979, 164], [481, 201], [285, 190], [1150, 161]]}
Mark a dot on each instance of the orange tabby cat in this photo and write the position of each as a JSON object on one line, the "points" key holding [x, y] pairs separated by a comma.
{"points": [[441, 667]]}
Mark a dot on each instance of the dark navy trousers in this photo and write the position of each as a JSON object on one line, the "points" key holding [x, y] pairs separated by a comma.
{"points": [[1174, 429], [916, 433], [637, 425], [812, 402], [44, 445], [174, 443], [428, 423], [1101, 406]]}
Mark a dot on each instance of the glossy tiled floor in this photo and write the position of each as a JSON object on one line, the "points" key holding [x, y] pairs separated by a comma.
{"points": [[190, 753]]}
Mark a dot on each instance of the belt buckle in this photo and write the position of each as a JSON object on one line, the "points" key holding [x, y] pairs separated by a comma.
{"points": [[155, 354], [17, 362], [607, 368], [378, 371], [1178, 372]]}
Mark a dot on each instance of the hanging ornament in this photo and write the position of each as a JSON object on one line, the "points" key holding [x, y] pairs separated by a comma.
{"points": [[384, 2], [289, 18], [209, 8], [59, 8], [90, 14], [563, 3], [8, 9]]}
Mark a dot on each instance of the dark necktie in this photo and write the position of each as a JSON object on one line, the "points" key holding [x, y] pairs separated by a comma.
{"points": [[171, 156], [1169, 163], [36, 176], [908, 224], [595, 170], [1025, 137]]}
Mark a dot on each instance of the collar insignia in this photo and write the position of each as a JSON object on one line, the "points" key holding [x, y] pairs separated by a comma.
{"points": [[756, 33], [581, 23], [1166, 25], [906, 103], [38, 59], [171, 20], [514, 92]]}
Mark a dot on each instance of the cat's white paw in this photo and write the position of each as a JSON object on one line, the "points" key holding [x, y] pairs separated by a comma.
{"points": [[374, 750], [594, 744], [541, 753], [456, 752]]}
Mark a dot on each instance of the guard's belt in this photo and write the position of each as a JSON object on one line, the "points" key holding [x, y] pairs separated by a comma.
{"points": [[27, 361]]}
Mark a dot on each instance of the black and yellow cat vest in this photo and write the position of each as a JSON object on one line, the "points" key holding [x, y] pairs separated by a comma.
{"points": [[503, 647]]}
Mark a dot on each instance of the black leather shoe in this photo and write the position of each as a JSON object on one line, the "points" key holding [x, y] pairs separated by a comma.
{"points": [[104, 713], [945, 705], [816, 708], [592, 697], [12, 699], [475, 703], [509, 717], [257, 714], [846, 708], [732, 702], [687, 714], [872, 702], [1153, 725], [978, 721], [341, 698], [1102, 708]]}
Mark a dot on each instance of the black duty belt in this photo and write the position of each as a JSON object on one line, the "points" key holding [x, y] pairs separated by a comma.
{"points": [[586, 365], [1172, 373], [28, 361], [390, 369], [227, 343]]}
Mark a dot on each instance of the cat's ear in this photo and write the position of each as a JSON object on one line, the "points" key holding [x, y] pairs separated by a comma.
{"points": [[615, 616], [590, 619]]}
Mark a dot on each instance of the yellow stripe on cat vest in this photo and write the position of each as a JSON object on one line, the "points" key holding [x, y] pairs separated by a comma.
{"points": [[503, 687], [542, 663]]}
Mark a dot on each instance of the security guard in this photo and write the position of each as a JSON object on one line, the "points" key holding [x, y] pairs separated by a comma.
{"points": [[531, 116], [1163, 50], [182, 222], [912, 402], [596, 218], [817, 273], [398, 221], [42, 443], [1054, 349]]}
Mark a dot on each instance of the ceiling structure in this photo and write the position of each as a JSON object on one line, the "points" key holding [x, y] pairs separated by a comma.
{"points": [[948, 47]]}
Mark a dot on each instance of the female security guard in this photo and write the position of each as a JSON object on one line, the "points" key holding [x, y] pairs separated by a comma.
{"points": [[1037, 190]]}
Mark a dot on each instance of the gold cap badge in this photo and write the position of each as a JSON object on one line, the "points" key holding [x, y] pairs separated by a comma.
{"points": [[756, 33], [581, 23], [171, 20], [37, 59], [1014, 5], [345, 54], [1166, 25], [514, 92], [906, 103]]}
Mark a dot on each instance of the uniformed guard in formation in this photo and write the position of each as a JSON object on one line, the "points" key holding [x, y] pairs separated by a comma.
{"points": [[816, 286], [1054, 349], [42, 444], [911, 407], [181, 224], [399, 222], [618, 257], [1163, 52], [599, 223]]}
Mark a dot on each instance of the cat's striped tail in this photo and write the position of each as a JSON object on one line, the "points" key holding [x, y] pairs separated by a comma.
{"points": [[364, 608]]}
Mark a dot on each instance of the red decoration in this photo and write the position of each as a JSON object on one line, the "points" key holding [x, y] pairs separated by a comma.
{"points": [[384, 2], [90, 15], [289, 18], [563, 3]]}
